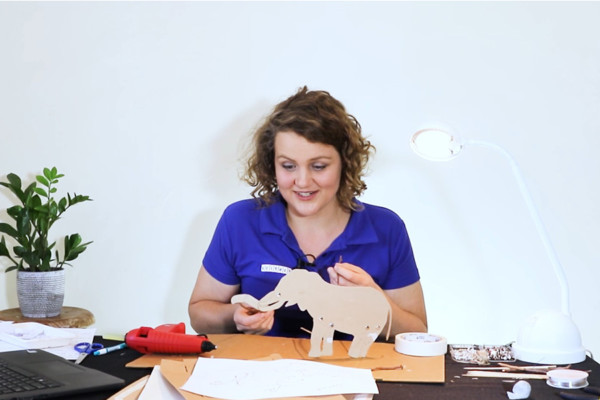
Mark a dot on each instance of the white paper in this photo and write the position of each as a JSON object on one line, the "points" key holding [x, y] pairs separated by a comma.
{"points": [[131, 390], [80, 335], [248, 380], [158, 388], [32, 335]]}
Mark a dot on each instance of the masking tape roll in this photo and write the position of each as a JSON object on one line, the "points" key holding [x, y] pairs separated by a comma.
{"points": [[420, 344]]}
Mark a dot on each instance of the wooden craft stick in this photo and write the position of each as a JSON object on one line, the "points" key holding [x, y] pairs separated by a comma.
{"points": [[542, 369], [505, 375]]}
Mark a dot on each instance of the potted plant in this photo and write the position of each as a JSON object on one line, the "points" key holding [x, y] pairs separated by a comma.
{"points": [[39, 265]]}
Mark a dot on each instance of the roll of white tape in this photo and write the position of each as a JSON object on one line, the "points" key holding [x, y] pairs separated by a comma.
{"points": [[420, 344]]}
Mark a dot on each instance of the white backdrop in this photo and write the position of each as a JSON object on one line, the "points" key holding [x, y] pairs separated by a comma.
{"points": [[147, 107]]}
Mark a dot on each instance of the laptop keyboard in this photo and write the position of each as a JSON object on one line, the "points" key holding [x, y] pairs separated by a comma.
{"points": [[17, 380]]}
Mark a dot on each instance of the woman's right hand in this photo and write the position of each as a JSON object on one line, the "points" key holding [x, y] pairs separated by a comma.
{"points": [[252, 321]]}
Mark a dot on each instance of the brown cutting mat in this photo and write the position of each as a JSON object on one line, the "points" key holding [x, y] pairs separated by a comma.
{"points": [[385, 362]]}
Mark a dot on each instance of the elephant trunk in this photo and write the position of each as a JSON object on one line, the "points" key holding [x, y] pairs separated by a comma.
{"points": [[271, 301]]}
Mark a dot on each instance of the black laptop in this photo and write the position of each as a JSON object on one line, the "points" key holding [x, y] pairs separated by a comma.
{"points": [[37, 374]]}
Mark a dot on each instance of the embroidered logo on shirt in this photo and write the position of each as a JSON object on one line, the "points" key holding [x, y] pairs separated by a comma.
{"points": [[279, 269]]}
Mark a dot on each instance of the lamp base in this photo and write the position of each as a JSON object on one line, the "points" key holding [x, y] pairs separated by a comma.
{"points": [[549, 337]]}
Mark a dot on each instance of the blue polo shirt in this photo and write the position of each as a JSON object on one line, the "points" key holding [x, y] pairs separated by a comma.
{"points": [[254, 247]]}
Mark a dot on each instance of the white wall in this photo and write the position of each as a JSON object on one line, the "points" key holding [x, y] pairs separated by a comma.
{"points": [[146, 107]]}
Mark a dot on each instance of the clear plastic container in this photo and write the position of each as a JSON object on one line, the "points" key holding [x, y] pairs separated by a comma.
{"points": [[481, 354]]}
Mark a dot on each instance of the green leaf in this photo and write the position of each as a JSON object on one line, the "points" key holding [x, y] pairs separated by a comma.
{"points": [[77, 199], [11, 268], [32, 259], [62, 205], [42, 180], [32, 200], [41, 192], [50, 173], [40, 211], [23, 223], [73, 247], [75, 252], [20, 251], [45, 260], [9, 230], [43, 225], [14, 180], [14, 185], [3, 249], [29, 189], [74, 240], [53, 209], [14, 211]]}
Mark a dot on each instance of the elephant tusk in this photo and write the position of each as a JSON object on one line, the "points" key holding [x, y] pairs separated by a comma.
{"points": [[269, 306]]}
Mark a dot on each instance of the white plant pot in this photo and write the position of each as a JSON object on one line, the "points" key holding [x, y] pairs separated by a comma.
{"points": [[41, 294]]}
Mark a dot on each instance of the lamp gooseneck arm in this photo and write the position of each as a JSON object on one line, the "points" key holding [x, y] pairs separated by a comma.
{"points": [[558, 269]]}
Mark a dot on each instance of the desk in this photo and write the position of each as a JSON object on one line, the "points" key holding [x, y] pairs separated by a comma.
{"points": [[69, 317], [455, 387]]}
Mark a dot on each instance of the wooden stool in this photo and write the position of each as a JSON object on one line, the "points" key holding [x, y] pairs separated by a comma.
{"points": [[69, 317]]}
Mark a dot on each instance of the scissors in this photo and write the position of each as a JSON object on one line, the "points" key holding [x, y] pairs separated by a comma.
{"points": [[86, 348]]}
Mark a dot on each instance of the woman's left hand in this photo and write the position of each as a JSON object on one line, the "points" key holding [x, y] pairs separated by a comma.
{"points": [[345, 274]]}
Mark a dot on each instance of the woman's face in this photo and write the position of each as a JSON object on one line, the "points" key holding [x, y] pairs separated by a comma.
{"points": [[308, 175]]}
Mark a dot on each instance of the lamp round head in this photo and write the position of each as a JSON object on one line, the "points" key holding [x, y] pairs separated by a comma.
{"points": [[436, 143], [549, 337]]}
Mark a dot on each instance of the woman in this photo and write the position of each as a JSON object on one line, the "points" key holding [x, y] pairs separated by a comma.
{"points": [[306, 168]]}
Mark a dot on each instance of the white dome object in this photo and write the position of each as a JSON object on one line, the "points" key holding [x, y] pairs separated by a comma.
{"points": [[549, 337]]}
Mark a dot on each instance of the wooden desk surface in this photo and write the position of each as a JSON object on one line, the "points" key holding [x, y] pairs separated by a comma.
{"points": [[69, 317]]}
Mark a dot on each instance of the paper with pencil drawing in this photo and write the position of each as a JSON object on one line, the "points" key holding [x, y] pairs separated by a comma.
{"points": [[246, 379]]}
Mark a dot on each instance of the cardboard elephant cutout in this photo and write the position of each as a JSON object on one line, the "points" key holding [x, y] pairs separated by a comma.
{"points": [[356, 310]]}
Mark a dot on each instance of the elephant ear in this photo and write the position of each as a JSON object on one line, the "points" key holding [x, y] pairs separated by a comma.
{"points": [[307, 286]]}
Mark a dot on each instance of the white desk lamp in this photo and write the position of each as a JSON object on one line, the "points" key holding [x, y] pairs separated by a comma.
{"points": [[549, 336]]}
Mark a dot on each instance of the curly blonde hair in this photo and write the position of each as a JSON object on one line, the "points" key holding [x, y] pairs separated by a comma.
{"points": [[319, 118]]}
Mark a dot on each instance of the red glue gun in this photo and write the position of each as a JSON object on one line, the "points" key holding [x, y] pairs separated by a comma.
{"points": [[169, 338]]}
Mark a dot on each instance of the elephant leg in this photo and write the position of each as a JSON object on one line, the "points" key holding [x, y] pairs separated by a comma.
{"points": [[321, 340], [328, 342], [361, 343]]}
